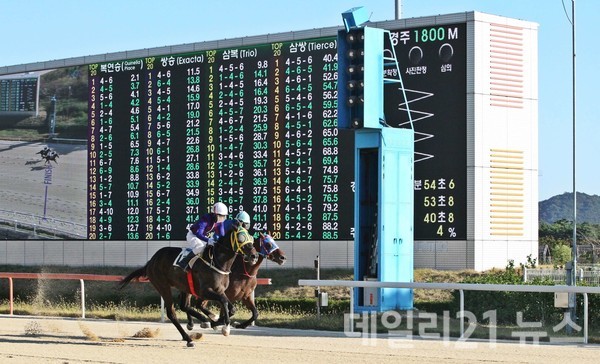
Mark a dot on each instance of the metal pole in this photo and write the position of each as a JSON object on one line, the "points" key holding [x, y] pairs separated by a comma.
{"points": [[352, 309], [574, 151], [53, 116], [462, 313], [45, 200], [318, 291], [398, 9], [574, 249], [162, 310], [11, 298], [82, 299], [585, 318]]}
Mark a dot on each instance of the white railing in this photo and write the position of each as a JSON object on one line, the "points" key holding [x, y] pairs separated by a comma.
{"points": [[461, 287], [559, 276], [30, 222], [81, 278]]}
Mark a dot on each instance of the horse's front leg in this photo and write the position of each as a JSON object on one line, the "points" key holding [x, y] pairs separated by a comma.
{"points": [[225, 309], [224, 302], [221, 320], [210, 317], [186, 306], [250, 305], [165, 292]]}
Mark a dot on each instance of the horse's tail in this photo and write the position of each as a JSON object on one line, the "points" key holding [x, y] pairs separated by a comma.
{"points": [[133, 276]]}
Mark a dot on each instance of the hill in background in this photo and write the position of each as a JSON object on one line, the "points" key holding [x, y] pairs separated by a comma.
{"points": [[561, 207]]}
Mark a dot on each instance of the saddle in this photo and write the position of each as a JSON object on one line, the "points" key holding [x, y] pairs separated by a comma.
{"points": [[186, 260]]}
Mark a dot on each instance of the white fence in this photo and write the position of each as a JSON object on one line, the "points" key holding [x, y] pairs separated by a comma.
{"points": [[40, 226], [461, 287], [559, 276]]}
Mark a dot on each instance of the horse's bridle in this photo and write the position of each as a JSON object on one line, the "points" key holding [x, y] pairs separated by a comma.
{"points": [[236, 247], [264, 240], [235, 240]]}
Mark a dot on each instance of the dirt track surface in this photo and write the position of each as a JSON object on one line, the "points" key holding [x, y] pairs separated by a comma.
{"points": [[22, 181], [54, 340]]}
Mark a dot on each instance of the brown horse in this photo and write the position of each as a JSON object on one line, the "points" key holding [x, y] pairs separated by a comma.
{"points": [[208, 278], [242, 281]]}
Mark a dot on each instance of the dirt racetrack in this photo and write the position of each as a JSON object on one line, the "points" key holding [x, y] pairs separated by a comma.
{"points": [[30, 187], [26, 339]]}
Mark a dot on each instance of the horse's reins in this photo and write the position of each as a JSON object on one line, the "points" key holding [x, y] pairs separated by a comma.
{"points": [[246, 274], [213, 267]]}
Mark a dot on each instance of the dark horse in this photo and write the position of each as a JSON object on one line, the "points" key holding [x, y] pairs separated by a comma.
{"points": [[207, 279], [44, 152], [242, 280], [51, 157]]}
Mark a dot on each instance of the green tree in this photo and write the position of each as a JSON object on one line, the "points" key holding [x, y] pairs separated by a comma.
{"points": [[552, 242], [561, 254], [588, 233], [561, 229]]}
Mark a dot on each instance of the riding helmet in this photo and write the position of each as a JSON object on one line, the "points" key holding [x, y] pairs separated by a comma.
{"points": [[220, 209]]}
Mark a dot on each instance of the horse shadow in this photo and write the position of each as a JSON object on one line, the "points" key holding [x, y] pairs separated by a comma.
{"points": [[38, 168], [284, 332], [48, 339], [33, 162]]}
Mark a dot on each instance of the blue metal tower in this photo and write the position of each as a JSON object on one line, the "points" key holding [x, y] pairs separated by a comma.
{"points": [[384, 165]]}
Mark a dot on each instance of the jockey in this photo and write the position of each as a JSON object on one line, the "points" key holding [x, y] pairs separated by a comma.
{"points": [[243, 219], [44, 152], [204, 231]]}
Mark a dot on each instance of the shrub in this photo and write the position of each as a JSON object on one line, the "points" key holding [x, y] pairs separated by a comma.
{"points": [[538, 307], [561, 254]]}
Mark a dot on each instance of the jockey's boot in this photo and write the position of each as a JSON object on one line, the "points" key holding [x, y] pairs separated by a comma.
{"points": [[183, 259]]}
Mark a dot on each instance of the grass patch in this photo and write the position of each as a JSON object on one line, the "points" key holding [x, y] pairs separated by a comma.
{"points": [[32, 135], [283, 304]]}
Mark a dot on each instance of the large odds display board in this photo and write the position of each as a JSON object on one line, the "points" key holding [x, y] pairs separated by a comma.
{"points": [[256, 128], [18, 94]]}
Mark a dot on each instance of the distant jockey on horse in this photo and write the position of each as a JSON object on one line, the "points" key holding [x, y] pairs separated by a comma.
{"points": [[51, 156], [44, 152]]}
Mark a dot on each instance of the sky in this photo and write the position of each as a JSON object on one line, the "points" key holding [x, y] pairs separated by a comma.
{"points": [[43, 30]]}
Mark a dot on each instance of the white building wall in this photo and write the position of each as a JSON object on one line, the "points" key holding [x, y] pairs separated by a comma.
{"points": [[508, 131], [506, 141]]}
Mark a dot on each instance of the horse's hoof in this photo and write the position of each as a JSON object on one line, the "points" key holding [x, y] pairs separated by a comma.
{"points": [[190, 327], [205, 325], [226, 330], [190, 344], [238, 325]]}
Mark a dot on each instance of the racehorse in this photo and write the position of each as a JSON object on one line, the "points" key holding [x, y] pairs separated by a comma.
{"points": [[207, 279], [242, 280], [44, 152], [51, 156]]}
